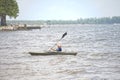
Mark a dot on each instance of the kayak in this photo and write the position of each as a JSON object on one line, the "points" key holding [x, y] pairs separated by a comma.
{"points": [[53, 53]]}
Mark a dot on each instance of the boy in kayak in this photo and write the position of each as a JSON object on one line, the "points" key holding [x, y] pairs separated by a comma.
{"points": [[59, 48]]}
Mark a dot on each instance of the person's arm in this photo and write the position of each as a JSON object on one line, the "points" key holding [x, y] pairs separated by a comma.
{"points": [[53, 49]]}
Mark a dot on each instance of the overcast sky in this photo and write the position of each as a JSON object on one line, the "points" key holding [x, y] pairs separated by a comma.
{"points": [[66, 9]]}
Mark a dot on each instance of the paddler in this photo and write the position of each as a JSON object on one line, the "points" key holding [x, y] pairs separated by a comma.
{"points": [[59, 48]]}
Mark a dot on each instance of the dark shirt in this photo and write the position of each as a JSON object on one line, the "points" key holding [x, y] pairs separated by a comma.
{"points": [[59, 49]]}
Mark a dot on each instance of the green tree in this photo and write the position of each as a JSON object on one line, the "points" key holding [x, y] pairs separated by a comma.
{"points": [[8, 8]]}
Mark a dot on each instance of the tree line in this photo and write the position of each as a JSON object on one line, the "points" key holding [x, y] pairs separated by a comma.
{"points": [[103, 20]]}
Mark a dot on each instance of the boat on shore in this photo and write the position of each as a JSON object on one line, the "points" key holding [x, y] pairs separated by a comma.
{"points": [[53, 53]]}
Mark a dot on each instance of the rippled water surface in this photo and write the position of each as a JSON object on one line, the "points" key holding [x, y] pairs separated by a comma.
{"points": [[98, 58]]}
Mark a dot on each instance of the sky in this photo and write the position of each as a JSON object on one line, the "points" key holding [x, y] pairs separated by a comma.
{"points": [[66, 9]]}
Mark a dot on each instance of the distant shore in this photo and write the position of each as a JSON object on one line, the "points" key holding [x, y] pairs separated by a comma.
{"points": [[29, 27], [19, 27]]}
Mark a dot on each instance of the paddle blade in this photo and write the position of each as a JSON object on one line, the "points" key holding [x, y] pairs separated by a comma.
{"points": [[64, 35]]}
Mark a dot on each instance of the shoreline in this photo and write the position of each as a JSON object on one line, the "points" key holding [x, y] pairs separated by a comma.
{"points": [[19, 27], [30, 27]]}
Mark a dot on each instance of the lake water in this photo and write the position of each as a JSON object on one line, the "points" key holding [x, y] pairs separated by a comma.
{"points": [[98, 58]]}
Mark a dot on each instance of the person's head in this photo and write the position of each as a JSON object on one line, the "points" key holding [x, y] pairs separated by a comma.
{"points": [[58, 45]]}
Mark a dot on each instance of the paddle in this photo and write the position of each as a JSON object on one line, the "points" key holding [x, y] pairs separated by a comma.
{"points": [[61, 38], [63, 35]]}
